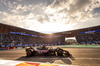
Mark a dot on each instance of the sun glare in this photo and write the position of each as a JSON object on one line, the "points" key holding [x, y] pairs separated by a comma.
{"points": [[50, 28]]}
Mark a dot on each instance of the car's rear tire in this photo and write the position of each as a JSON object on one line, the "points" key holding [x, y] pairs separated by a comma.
{"points": [[29, 53]]}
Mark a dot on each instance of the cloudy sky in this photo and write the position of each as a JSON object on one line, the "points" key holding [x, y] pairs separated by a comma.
{"points": [[49, 16]]}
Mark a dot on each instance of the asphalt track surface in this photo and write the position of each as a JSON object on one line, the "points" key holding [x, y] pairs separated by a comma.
{"points": [[80, 56]]}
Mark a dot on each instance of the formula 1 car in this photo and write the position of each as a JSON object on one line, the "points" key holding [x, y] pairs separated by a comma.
{"points": [[30, 51]]}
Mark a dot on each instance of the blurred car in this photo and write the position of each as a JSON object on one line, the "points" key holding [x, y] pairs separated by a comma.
{"points": [[31, 51]]}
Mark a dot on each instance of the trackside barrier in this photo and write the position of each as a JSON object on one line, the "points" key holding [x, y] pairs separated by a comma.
{"points": [[8, 48], [25, 45], [14, 47], [98, 43], [19, 47], [3, 48]]}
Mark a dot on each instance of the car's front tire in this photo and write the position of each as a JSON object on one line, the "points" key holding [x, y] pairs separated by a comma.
{"points": [[60, 52]]}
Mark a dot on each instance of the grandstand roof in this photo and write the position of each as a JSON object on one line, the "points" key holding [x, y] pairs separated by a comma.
{"points": [[7, 28], [72, 33]]}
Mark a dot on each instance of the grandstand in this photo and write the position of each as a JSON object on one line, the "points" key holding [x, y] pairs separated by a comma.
{"points": [[15, 36], [87, 35]]}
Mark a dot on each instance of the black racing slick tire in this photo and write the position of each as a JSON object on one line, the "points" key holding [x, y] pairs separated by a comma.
{"points": [[60, 52], [29, 53]]}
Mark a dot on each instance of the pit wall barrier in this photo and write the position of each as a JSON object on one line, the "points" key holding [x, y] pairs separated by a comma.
{"points": [[88, 44], [3, 48], [7, 48], [20, 46], [25, 45]]}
